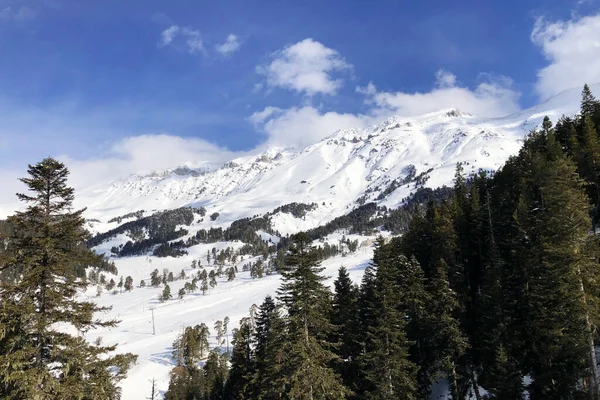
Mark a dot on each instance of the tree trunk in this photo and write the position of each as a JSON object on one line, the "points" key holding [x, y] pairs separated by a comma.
{"points": [[475, 386]]}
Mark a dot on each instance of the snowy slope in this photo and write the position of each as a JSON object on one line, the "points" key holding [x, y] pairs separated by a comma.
{"points": [[337, 171], [232, 299]]}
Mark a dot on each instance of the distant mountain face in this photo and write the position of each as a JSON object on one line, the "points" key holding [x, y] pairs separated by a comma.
{"points": [[382, 164]]}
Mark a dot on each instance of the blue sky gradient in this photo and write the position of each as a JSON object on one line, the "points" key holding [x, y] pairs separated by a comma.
{"points": [[76, 77]]}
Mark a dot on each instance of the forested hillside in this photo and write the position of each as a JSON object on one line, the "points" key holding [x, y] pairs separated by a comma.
{"points": [[495, 289], [489, 288]]}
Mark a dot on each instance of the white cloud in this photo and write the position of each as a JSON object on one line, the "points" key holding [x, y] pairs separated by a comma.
{"points": [[573, 50], [493, 97], [306, 67], [231, 45], [143, 154], [445, 79], [261, 116], [299, 127], [136, 154], [167, 36], [191, 38]]}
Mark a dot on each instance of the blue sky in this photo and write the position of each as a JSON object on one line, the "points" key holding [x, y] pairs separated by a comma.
{"points": [[110, 80]]}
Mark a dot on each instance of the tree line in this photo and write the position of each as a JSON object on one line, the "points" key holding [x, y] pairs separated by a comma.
{"points": [[494, 290]]}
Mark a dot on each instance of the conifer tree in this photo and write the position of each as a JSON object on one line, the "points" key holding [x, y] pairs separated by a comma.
{"points": [[308, 301], [268, 382], [389, 372], [445, 338], [552, 214], [588, 102], [204, 285], [215, 371], [344, 317], [213, 279], [166, 294], [238, 386], [46, 247], [129, 284], [155, 278]]}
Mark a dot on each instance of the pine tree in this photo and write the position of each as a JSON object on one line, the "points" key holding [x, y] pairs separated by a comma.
{"points": [[345, 319], [552, 214], [501, 373], [129, 283], [238, 386], [308, 303], [219, 331], [268, 382], [389, 372], [213, 279], [166, 294], [204, 285], [230, 274], [215, 371], [155, 278], [588, 102], [445, 338], [589, 158], [47, 247]]}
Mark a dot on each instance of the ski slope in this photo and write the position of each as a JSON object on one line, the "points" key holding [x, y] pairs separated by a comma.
{"points": [[232, 299]]}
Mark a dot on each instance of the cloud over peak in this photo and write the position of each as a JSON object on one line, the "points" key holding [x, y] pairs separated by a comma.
{"points": [[492, 97], [306, 67], [573, 51]]}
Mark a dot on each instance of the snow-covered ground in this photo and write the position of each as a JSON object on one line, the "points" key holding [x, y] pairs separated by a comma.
{"points": [[232, 299]]}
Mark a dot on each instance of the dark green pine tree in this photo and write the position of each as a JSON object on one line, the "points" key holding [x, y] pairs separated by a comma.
{"points": [[268, 382], [445, 337], [553, 215], [238, 385], [166, 294], [345, 319], [129, 283], [589, 103], [500, 371], [47, 246], [389, 372], [589, 158], [215, 372], [308, 302]]}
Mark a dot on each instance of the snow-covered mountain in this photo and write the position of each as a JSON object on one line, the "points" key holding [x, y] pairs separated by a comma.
{"points": [[383, 163]]}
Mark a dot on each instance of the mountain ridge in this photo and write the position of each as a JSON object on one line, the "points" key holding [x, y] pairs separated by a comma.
{"points": [[346, 168]]}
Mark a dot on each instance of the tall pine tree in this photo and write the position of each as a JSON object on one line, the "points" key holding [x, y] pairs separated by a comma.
{"points": [[308, 302], [40, 360]]}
